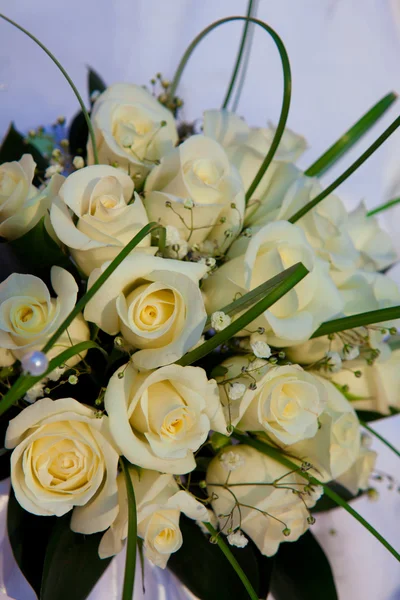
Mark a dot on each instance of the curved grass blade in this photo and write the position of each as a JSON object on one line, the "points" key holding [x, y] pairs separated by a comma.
{"points": [[237, 568], [383, 207], [287, 86], [253, 296], [25, 382], [239, 57], [360, 320], [67, 77], [380, 437], [130, 560], [297, 273], [356, 164], [351, 137], [284, 460]]}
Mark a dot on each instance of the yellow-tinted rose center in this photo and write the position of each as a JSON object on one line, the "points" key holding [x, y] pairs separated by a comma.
{"points": [[165, 537], [153, 310], [28, 316], [207, 171]]}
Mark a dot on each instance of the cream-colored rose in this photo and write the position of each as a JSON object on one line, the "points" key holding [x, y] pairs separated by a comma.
{"points": [[378, 388], [336, 445], [243, 142], [268, 514], [286, 403], [364, 291], [63, 458], [159, 505], [159, 419], [132, 129], [374, 244], [274, 248], [155, 303], [96, 214], [29, 315], [22, 205], [196, 190], [357, 477]]}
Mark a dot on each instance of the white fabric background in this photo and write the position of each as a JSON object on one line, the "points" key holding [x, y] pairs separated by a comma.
{"points": [[344, 57]]}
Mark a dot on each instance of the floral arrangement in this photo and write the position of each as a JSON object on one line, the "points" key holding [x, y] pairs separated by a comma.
{"points": [[194, 335]]}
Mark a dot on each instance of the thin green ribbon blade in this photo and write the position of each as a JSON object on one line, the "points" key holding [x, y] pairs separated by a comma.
{"points": [[383, 207], [351, 137], [130, 560], [359, 320], [293, 275]]}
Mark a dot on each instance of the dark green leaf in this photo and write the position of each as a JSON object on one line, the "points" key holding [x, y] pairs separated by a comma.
{"points": [[78, 136], [369, 415], [326, 503], [29, 535], [95, 82], [219, 371], [204, 569], [351, 137], [38, 252], [72, 565], [302, 572], [15, 145]]}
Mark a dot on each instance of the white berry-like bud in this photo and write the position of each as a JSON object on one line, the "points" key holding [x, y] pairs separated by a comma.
{"points": [[78, 162], [219, 320]]}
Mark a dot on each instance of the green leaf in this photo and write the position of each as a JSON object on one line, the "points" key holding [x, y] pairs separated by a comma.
{"points": [[72, 565], [369, 415], [78, 136], [339, 180], [351, 137], [25, 382], [302, 572], [38, 252], [15, 145], [292, 276], [359, 320], [95, 82], [28, 535], [202, 567], [130, 560], [251, 297], [287, 87]]}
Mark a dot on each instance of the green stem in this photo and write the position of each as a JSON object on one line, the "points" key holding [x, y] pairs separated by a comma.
{"points": [[239, 56], [361, 160], [287, 85], [130, 560], [281, 458], [383, 207], [237, 568], [380, 437], [67, 77], [294, 275], [360, 320], [351, 137], [80, 305]]}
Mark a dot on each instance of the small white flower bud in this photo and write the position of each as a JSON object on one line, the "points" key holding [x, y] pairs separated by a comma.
{"points": [[231, 460], [78, 162], [219, 320], [236, 391], [237, 539]]}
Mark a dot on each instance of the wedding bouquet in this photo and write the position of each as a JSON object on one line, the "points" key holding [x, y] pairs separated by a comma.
{"points": [[194, 335]]}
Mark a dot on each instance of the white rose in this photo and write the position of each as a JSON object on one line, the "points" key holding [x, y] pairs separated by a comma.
{"points": [[196, 190], [29, 315], [378, 388], [274, 248], [22, 205], [159, 504], [132, 129], [357, 476], [63, 458], [155, 303], [336, 445], [286, 403], [268, 514], [374, 244], [364, 291], [94, 215], [159, 419]]}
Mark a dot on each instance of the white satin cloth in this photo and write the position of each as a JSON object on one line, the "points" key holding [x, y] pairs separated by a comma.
{"points": [[344, 57]]}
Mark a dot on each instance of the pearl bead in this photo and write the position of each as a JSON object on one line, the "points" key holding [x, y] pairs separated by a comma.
{"points": [[35, 363]]}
